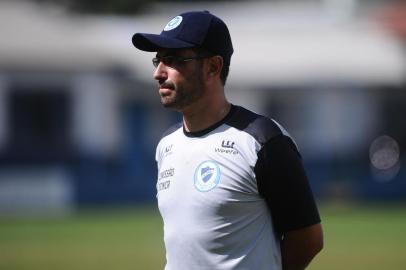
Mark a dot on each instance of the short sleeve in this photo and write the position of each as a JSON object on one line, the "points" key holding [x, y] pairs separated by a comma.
{"points": [[283, 183]]}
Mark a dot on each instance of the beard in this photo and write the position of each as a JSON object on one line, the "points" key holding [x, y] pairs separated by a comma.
{"points": [[184, 94]]}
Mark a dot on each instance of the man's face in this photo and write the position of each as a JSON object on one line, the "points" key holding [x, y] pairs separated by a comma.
{"points": [[180, 78]]}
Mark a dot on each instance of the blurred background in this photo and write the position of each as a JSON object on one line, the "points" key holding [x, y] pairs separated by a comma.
{"points": [[80, 118]]}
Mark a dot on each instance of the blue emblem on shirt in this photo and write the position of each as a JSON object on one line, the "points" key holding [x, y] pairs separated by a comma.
{"points": [[206, 173], [207, 176]]}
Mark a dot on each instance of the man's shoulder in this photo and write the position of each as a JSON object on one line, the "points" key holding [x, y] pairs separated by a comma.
{"points": [[261, 127], [172, 129], [166, 139]]}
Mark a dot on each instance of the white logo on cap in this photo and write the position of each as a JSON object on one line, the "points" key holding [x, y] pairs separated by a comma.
{"points": [[172, 24]]}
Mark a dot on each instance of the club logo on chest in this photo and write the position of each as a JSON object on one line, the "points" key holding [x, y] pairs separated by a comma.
{"points": [[207, 176]]}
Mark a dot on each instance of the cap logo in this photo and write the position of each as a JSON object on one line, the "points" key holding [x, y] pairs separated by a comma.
{"points": [[172, 24]]}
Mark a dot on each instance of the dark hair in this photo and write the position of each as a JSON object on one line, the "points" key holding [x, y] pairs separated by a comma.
{"points": [[224, 74]]}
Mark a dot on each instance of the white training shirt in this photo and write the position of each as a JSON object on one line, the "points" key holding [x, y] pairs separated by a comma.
{"points": [[215, 216]]}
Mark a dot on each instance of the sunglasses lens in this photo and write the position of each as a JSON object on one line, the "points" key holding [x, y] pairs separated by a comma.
{"points": [[168, 60], [155, 61]]}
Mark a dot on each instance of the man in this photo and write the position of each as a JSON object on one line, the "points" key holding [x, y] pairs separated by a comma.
{"points": [[231, 187]]}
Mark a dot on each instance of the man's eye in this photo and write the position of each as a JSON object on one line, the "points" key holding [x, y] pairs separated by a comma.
{"points": [[169, 60]]}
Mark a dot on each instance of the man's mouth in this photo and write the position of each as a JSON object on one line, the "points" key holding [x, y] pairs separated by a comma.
{"points": [[165, 88]]}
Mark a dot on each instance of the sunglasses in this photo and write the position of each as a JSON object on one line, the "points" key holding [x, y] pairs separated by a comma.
{"points": [[174, 61]]}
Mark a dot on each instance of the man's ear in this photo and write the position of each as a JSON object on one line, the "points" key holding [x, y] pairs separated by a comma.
{"points": [[215, 65]]}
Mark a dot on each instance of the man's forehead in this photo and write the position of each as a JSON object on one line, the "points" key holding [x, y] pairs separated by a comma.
{"points": [[163, 52]]}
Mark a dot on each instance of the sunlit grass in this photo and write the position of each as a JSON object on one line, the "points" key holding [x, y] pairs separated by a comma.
{"points": [[356, 237]]}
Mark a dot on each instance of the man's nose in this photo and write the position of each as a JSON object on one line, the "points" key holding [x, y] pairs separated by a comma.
{"points": [[160, 72]]}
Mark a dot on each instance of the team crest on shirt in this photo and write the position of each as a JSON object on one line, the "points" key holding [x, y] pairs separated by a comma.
{"points": [[207, 176]]}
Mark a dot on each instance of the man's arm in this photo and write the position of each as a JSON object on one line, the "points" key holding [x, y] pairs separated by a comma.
{"points": [[282, 181], [299, 247]]}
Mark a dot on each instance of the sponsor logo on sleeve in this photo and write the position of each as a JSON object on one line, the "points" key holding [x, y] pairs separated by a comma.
{"points": [[168, 150]]}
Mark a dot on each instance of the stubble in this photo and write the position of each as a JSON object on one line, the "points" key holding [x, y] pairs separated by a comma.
{"points": [[186, 93]]}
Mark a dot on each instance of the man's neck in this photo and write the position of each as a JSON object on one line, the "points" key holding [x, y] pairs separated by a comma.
{"points": [[203, 116]]}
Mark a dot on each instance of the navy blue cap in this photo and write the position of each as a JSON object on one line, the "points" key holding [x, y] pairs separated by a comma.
{"points": [[196, 29]]}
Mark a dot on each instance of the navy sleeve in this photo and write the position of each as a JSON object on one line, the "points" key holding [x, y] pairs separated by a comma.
{"points": [[283, 183]]}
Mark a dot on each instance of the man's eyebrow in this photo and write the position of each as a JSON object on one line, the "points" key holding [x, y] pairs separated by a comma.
{"points": [[167, 53]]}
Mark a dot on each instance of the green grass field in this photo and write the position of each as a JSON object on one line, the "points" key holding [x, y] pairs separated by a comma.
{"points": [[358, 237]]}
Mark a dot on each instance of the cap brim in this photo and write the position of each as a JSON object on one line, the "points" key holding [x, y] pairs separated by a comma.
{"points": [[153, 42]]}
